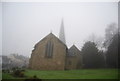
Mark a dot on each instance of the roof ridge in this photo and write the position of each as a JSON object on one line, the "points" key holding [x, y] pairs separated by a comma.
{"points": [[49, 35]]}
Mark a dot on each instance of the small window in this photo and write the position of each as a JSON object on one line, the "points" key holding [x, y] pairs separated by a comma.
{"points": [[69, 62], [49, 49]]}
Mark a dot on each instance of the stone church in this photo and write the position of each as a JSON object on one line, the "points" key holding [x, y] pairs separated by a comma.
{"points": [[51, 53]]}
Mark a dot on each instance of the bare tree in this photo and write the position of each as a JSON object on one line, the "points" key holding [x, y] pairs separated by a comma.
{"points": [[110, 31]]}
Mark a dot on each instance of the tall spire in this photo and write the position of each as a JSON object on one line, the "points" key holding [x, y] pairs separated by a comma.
{"points": [[62, 33]]}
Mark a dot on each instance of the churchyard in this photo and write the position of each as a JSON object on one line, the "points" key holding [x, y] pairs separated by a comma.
{"points": [[67, 74]]}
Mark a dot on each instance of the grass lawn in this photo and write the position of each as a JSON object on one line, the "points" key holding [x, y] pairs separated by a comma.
{"points": [[7, 76], [75, 74], [72, 74]]}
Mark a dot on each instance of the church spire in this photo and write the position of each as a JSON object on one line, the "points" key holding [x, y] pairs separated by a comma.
{"points": [[62, 33]]}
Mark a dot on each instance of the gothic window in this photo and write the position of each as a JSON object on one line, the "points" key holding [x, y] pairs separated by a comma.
{"points": [[49, 49]]}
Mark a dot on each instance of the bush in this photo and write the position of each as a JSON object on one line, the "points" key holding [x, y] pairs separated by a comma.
{"points": [[21, 74], [6, 71], [18, 73]]}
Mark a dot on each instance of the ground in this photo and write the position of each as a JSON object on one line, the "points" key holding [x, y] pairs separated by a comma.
{"points": [[71, 74]]}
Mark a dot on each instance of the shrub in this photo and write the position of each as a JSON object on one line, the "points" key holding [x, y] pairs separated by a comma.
{"points": [[18, 73]]}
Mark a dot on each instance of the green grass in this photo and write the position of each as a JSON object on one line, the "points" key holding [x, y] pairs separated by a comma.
{"points": [[7, 76], [72, 74], [75, 74]]}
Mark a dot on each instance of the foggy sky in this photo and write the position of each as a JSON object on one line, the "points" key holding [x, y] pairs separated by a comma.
{"points": [[24, 24]]}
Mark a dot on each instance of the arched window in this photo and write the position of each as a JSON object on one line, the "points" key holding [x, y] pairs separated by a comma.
{"points": [[49, 49]]}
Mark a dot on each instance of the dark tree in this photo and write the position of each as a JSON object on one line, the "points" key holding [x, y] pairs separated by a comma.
{"points": [[112, 52], [92, 58], [102, 62]]}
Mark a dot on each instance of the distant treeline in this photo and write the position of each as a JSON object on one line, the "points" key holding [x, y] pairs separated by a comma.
{"points": [[13, 61]]}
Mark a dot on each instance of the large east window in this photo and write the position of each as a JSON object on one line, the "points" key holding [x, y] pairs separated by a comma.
{"points": [[49, 49]]}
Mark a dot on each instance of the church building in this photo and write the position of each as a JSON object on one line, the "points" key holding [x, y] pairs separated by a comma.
{"points": [[51, 53]]}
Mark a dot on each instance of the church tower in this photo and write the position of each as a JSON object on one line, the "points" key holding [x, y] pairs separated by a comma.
{"points": [[62, 33]]}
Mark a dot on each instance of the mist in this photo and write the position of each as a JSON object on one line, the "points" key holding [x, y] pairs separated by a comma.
{"points": [[24, 24]]}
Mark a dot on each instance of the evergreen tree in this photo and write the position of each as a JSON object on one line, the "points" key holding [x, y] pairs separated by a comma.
{"points": [[112, 52], [92, 58]]}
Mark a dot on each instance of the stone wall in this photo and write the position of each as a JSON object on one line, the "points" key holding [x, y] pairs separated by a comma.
{"points": [[73, 61], [38, 61]]}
